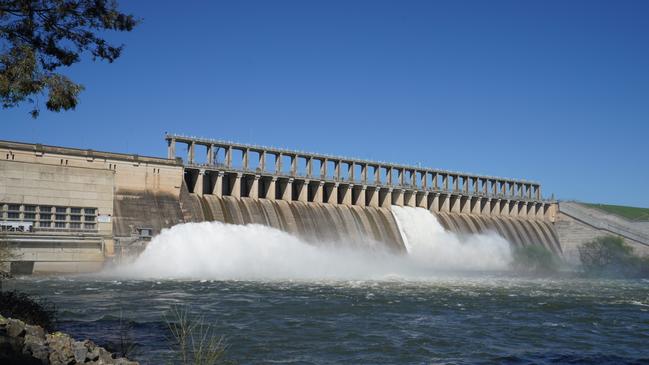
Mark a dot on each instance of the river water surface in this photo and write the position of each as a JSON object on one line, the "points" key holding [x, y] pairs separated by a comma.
{"points": [[478, 318]]}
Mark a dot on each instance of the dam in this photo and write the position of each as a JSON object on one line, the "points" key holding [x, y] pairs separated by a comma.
{"points": [[74, 210], [241, 184]]}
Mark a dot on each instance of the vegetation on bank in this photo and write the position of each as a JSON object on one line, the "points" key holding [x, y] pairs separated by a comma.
{"points": [[607, 256], [611, 256], [193, 340], [631, 213]]}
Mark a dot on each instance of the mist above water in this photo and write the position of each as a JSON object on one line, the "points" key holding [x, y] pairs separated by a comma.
{"points": [[220, 251]]}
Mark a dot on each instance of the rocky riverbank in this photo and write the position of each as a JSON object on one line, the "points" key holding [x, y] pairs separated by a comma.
{"points": [[21, 343]]}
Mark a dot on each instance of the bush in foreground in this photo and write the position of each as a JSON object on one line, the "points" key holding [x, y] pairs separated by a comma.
{"points": [[193, 340], [610, 256]]}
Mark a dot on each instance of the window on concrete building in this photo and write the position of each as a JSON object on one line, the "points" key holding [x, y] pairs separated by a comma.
{"points": [[15, 207], [90, 226], [75, 218], [75, 225], [60, 217], [61, 209], [59, 224], [30, 216], [89, 218], [13, 215], [90, 211], [30, 208], [75, 210], [45, 208], [45, 216], [44, 224]]}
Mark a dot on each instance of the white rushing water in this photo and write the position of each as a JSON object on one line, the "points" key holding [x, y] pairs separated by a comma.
{"points": [[215, 250], [427, 241]]}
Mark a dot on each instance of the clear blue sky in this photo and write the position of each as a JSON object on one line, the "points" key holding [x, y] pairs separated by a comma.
{"points": [[552, 91]]}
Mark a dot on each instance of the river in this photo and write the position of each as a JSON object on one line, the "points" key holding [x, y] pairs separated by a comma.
{"points": [[470, 318]]}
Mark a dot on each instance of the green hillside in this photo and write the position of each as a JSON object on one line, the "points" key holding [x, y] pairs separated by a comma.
{"points": [[632, 213]]}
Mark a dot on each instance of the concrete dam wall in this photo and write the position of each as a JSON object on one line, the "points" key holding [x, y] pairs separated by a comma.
{"points": [[71, 210], [353, 225], [518, 231], [313, 222]]}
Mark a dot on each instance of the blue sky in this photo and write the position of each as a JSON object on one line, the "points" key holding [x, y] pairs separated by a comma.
{"points": [[551, 91]]}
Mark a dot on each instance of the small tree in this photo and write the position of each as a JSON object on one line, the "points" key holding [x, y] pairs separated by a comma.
{"points": [[608, 255]]}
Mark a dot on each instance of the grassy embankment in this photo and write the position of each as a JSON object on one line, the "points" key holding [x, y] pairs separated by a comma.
{"points": [[631, 213]]}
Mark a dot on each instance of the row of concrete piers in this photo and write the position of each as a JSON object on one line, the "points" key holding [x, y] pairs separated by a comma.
{"points": [[238, 184], [324, 173]]}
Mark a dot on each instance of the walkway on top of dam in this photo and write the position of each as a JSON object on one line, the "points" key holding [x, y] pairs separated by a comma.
{"points": [[241, 158]]}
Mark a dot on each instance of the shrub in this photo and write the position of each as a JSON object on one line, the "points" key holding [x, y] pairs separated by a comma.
{"points": [[21, 306], [609, 255], [194, 341], [535, 259]]}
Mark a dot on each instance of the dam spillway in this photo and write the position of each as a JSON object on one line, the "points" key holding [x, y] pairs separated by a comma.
{"points": [[70, 210], [326, 197], [315, 222], [354, 225]]}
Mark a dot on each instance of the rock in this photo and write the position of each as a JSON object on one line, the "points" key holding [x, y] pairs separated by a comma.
{"points": [[105, 357], [3, 326], [35, 331], [92, 353], [80, 351], [32, 345], [36, 347], [60, 346], [124, 361], [15, 328]]}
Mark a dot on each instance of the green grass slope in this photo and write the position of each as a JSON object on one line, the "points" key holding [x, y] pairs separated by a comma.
{"points": [[631, 213]]}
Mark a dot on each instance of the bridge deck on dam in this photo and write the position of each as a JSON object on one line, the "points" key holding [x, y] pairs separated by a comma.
{"points": [[241, 170]]}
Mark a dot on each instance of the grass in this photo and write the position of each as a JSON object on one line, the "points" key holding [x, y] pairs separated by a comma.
{"points": [[631, 213], [193, 340]]}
